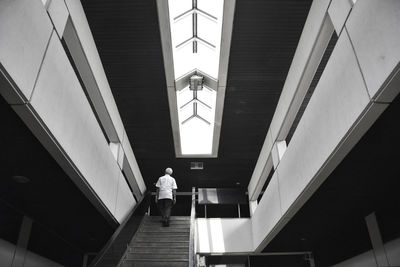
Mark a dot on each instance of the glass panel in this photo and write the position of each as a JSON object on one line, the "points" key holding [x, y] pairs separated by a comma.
{"points": [[214, 8], [208, 30], [183, 30], [204, 112], [177, 7], [206, 59], [196, 135], [185, 95], [205, 95]]}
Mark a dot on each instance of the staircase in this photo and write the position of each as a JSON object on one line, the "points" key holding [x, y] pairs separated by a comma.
{"points": [[156, 246]]}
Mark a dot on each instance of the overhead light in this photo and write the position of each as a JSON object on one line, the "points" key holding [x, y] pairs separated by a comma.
{"points": [[21, 179], [196, 83]]}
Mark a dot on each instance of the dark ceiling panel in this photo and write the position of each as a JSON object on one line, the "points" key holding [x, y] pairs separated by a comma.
{"points": [[265, 36]]}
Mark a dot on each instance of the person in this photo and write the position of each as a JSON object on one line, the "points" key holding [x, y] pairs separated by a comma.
{"points": [[166, 195]]}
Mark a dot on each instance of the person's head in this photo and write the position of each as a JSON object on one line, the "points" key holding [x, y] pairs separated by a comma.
{"points": [[168, 171]]}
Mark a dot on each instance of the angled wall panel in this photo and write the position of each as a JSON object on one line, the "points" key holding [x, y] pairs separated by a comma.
{"points": [[58, 13], [338, 101], [301, 70], [125, 200], [126, 145], [25, 30], [268, 212], [84, 34], [374, 30], [61, 104]]}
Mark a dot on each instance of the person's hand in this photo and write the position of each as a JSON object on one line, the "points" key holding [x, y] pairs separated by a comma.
{"points": [[156, 199], [174, 201]]}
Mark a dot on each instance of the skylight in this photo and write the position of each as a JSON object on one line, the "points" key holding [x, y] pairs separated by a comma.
{"points": [[196, 126], [196, 23], [196, 36], [196, 40]]}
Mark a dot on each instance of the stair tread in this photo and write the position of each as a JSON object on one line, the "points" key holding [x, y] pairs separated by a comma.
{"points": [[158, 246], [153, 245], [171, 217], [174, 223], [157, 250], [161, 234], [158, 260], [155, 264], [165, 229], [160, 239]]}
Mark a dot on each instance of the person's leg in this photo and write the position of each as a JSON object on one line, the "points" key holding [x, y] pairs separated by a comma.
{"points": [[161, 208], [168, 207]]}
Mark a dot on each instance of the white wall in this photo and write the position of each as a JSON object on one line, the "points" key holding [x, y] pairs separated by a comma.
{"points": [[79, 20], [313, 41], [359, 81], [220, 235], [83, 50], [40, 84], [24, 39]]}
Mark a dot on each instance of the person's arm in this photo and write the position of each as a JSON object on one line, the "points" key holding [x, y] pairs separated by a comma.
{"points": [[174, 195], [157, 192]]}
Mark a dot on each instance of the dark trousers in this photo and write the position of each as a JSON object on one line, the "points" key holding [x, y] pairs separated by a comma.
{"points": [[165, 205]]}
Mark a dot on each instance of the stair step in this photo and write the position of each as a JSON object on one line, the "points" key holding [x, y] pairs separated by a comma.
{"points": [[161, 234], [181, 244], [162, 250], [157, 256], [155, 264], [169, 239], [171, 223], [156, 246], [172, 218], [160, 228]]}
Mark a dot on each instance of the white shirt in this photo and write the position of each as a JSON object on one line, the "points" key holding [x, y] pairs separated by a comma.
{"points": [[166, 183]]}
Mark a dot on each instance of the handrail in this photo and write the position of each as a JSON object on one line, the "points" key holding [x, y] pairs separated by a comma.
{"points": [[192, 229], [109, 243]]}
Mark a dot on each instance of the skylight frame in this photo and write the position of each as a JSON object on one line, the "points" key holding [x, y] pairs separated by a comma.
{"points": [[219, 84]]}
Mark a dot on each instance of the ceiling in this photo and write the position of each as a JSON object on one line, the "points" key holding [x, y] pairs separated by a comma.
{"points": [[264, 39]]}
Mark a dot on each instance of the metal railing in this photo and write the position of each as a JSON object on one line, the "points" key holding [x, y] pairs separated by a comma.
{"points": [[192, 229], [97, 260]]}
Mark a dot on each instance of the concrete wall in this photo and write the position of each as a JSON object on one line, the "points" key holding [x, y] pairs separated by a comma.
{"points": [[38, 80], [218, 235], [100, 88], [79, 40], [360, 80], [312, 44], [31, 259]]}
